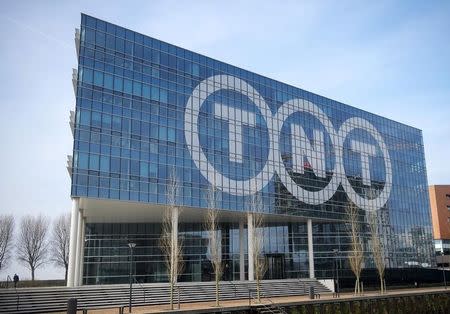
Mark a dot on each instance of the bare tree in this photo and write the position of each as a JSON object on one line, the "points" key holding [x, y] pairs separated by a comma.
{"points": [[32, 245], [6, 234], [377, 247], [60, 242], [170, 243], [256, 237], [356, 254], [215, 243]]}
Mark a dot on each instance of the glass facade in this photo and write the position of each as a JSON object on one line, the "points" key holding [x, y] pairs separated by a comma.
{"points": [[107, 254], [145, 107]]}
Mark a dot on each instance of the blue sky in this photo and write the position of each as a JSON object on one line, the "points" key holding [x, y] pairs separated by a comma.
{"points": [[386, 57]]}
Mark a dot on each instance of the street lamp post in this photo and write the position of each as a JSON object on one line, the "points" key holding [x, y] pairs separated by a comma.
{"points": [[443, 270], [336, 252], [131, 245]]}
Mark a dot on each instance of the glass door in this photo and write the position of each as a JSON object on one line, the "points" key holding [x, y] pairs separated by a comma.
{"points": [[275, 266]]}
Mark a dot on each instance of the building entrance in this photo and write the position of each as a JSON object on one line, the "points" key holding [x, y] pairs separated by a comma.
{"points": [[275, 266]]}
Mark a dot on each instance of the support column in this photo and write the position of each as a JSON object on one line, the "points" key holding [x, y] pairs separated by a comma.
{"points": [[310, 249], [250, 227], [76, 280], [241, 251], [73, 241], [83, 242]]}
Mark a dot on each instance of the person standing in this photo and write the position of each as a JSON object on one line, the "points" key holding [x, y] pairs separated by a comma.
{"points": [[16, 280]]}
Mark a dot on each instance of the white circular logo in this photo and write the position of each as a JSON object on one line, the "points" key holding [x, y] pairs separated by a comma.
{"points": [[310, 197], [274, 163], [368, 204], [199, 95]]}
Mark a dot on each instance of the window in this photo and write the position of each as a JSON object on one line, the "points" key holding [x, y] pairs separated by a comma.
{"points": [[104, 163], [155, 94], [94, 162], [146, 91], [87, 75], [163, 95], [127, 86], [137, 87], [98, 78], [85, 117], [118, 83], [448, 207], [108, 81], [447, 196], [171, 135], [83, 160]]}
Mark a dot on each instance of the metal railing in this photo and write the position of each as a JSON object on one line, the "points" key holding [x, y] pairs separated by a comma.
{"points": [[303, 285], [8, 280], [234, 287], [178, 288], [18, 298], [265, 306], [279, 308], [141, 286]]}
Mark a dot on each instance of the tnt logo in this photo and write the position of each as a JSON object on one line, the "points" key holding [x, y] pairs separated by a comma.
{"points": [[312, 150]]}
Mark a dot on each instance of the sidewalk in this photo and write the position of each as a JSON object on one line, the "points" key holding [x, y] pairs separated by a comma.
{"points": [[243, 304]]}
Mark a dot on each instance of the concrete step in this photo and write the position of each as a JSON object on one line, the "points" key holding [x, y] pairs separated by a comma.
{"points": [[41, 300]]}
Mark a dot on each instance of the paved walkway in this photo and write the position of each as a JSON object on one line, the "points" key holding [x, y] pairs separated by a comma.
{"points": [[207, 307]]}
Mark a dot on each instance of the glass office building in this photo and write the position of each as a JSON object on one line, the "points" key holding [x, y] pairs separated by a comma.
{"points": [[146, 109]]}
